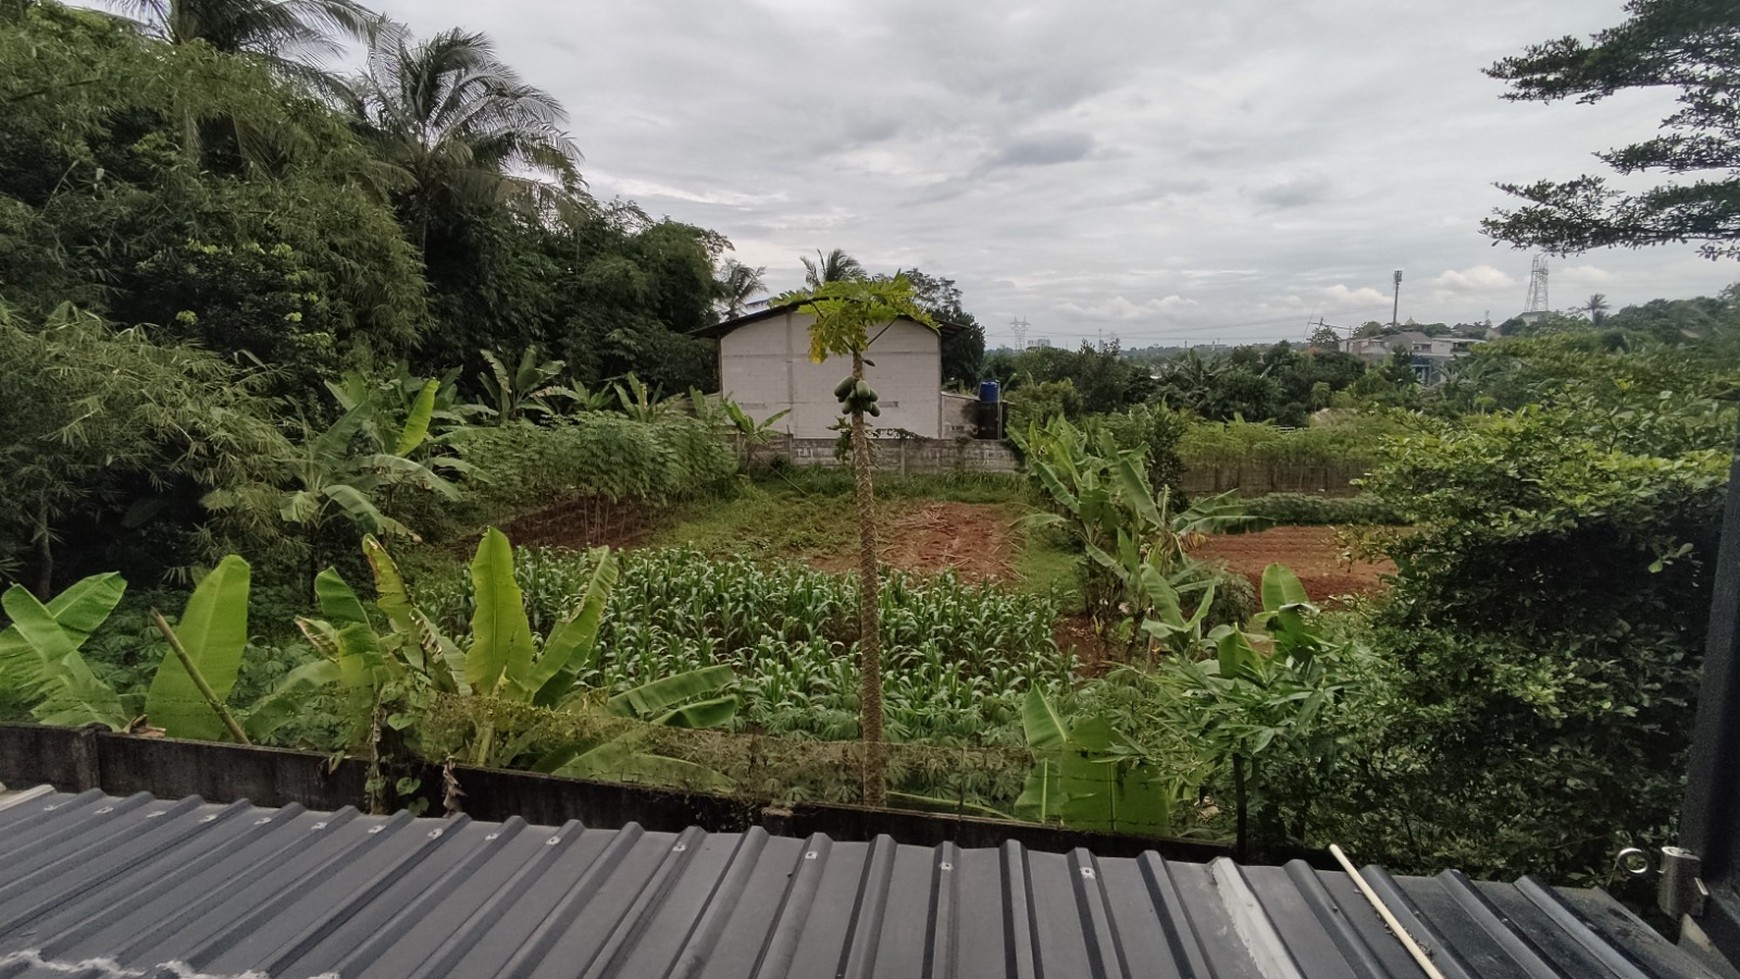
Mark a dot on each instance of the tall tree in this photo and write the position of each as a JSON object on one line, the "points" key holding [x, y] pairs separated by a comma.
{"points": [[1596, 306], [738, 285], [292, 34], [1692, 46], [461, 126], [845, 312], [835, 266]]}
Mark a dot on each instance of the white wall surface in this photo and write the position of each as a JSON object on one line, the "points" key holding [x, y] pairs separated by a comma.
{"points": [[765, 367]]}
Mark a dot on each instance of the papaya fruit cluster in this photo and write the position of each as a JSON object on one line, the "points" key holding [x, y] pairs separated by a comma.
{"points": [[855, 395]]}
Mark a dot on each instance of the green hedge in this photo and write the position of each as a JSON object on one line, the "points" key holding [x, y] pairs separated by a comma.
{"points": [[594, 455], [1307, 510], [1350, 443]]}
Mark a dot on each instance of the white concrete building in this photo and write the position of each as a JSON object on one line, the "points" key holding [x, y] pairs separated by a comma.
{"points": [[1431, 356], [765, 366]]}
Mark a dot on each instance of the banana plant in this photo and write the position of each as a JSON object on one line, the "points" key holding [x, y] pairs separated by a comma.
{"points": [[1136, 541], [1087, 776], [635, 400], [513, 393], [40, 659], [40, 662], [502, 660]]}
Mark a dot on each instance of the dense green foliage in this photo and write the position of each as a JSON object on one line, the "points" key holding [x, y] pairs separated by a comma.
{"points": [[231, 215], [594, 454], [1549, 610]]}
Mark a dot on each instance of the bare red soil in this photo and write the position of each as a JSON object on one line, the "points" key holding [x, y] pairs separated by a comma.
{"points": [[1313, 553], [977, 540]]}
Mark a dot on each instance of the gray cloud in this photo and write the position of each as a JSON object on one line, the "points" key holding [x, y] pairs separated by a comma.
{"points": [[1041, 150], [1173, 172], [1291, 192]]}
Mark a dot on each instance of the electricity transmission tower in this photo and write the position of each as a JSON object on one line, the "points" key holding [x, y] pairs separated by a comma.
{"points": [[1018, 326], [1537, 286]]}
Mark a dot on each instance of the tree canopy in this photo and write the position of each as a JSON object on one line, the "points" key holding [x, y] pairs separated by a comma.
{"points": [[1689, 46]]}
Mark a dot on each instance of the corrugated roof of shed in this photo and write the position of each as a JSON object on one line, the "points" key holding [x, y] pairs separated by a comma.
{"points": [[104, 887]]}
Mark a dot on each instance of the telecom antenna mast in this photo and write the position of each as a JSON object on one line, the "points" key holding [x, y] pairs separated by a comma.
{"points": [[1396, 306], [1537, 286]]}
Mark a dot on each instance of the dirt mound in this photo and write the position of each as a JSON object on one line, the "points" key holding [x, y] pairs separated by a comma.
{"points": [[1313, 553], [977, 540]]}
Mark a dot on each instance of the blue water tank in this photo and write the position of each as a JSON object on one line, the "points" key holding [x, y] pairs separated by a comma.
{"points": [[988, 392]]}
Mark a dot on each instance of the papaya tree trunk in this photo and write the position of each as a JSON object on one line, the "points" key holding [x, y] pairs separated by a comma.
{"points": [[869, 611]]}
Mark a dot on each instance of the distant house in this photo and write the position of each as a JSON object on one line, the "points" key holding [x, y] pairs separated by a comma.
{"points": [[1431, 356], [765, 366]]}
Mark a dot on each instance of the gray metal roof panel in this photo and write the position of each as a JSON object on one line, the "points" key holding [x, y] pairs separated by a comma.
{"points": [[126, 888]]}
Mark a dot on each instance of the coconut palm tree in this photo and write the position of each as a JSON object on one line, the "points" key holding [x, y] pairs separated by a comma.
{"points": [[293, 34], [738, 285], [460, 125], [1596, 306], [835, 266]]}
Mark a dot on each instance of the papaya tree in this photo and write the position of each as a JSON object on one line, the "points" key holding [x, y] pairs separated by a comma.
{"points": [[845, 313]]}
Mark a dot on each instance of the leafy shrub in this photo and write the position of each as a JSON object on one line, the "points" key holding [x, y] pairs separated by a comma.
{"points": [[1156, 431], [1307, 510], [1353, 442], [594, 455], [1546, 623]]}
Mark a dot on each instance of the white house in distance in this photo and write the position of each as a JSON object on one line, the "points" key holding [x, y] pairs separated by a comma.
{"points": [[765, 366], [1431, 356]]}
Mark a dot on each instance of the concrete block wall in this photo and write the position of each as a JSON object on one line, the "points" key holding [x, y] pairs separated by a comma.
{"points": [[896, 455]]}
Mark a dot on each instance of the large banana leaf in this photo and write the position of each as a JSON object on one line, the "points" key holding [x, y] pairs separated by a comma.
{"points": [[501, 635], [706, 713], [572, 647], [72, 694], [417, 422], [289, 697], [1086, 777], [391, 594], [1044, 728], [213, 630], [363, 511], [79, 610], [652, 700], [1282, 588], [337, 600]]}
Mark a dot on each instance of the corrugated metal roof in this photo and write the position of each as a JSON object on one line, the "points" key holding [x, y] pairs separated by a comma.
{"points": [[105, 887]]}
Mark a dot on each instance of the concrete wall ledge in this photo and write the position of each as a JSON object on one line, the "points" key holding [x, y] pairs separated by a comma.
{"points": [[77, 760]]}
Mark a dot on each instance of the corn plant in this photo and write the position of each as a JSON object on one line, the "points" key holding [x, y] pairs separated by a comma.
{"points": [[960, 656]]}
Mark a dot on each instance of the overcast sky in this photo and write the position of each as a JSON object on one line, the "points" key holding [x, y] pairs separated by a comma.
{"points": [[1164, 171]]}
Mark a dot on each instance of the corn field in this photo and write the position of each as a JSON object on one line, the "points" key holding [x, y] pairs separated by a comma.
{"points": [[959, 657]]}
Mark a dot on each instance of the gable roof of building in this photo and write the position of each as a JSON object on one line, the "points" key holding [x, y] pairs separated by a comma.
{"points": [[115, 887]]}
